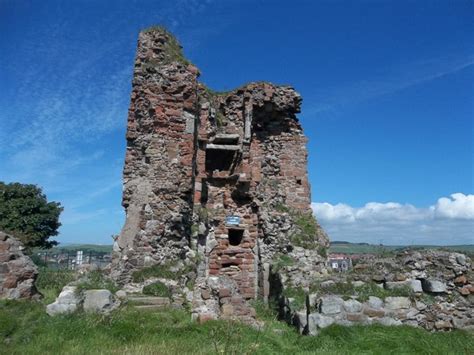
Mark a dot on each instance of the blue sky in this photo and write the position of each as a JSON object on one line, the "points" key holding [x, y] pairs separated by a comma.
{"points": [[387, 87]]}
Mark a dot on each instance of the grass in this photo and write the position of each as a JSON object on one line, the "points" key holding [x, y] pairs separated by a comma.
{"points": [[162, 271], [157, 289], [50, 282], [298, 295], [172, 49], [97, 280], [280, 261], [347, 289], [26, 329]]}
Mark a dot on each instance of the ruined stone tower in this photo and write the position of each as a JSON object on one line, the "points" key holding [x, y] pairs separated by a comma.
{"points": [[215, 186]]}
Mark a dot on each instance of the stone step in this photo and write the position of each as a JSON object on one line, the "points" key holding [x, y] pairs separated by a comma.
{"points": [[150, 300], [151, 307]]}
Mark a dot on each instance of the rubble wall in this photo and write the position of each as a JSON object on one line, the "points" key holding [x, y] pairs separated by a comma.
{"points": [[431, 289]]}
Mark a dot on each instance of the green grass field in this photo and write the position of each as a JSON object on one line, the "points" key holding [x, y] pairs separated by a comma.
{"points": [[25, 328]]}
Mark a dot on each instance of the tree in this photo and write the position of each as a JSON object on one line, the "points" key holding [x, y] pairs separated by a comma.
{"points": [[25, 213]]}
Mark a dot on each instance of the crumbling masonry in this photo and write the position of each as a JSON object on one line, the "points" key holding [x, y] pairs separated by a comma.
{"points": [[215, 186]]}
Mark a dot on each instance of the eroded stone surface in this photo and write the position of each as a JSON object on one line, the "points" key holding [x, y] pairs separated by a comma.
{"points": [[67, 302], [17, 271]]}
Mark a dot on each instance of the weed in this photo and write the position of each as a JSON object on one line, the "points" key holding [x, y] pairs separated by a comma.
{"points": [[280, 261], [165, 271], [96, 280], [297, 294], [157, 289]]}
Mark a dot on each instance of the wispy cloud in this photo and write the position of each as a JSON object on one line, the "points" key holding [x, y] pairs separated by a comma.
{"points": [[450, 220], [393, 80]]}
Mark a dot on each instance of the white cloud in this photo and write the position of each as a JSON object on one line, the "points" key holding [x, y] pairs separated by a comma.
{"points": [[458, 206], [449, 221]]}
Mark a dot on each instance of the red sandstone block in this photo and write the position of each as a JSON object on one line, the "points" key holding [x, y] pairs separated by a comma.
{"points": [[224, 292], [204, 317]]}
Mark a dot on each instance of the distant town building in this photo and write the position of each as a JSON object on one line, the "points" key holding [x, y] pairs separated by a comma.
{"points": [[340, 262]]}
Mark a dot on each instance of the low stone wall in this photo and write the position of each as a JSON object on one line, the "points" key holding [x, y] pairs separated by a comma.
{"points": [[437, 285]]}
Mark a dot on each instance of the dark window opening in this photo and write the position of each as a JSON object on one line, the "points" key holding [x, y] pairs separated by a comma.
{"points": [[229, 264], [204, 192], [147, 160], [298, 181], [235, 236], [217, 159], [241, 197]]}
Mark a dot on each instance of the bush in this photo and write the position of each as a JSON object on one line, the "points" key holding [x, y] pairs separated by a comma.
{"points": [[280, 261], [160, 271], [54, 280], [96, 280], [157, 289], [26, 213]]}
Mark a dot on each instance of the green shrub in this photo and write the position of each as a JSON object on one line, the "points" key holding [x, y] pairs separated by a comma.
{"points": [[157, 289], [52, 281], [160, 271], [97, 280], [298, 295], [307, 227], [280, 261]]}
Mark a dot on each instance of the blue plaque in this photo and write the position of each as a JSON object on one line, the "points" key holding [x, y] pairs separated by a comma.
{"points": [[232, 220]]}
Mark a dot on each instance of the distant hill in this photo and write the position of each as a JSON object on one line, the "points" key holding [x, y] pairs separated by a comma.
{"points": [[365, 248], [336, 247], [95, 248]]}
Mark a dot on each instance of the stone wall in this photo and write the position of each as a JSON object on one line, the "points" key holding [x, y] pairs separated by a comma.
{"points": [[17, 272], [217, 181], [433, 290]]}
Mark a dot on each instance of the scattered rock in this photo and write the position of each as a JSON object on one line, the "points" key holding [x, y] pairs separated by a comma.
{"points": [[68, 301], [99, 301], [433, 286], [318, 321]]}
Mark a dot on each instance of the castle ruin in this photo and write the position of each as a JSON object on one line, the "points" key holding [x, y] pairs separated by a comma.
{"points": [[215, 186]]}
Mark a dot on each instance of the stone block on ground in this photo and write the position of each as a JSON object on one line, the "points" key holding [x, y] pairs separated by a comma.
{"points": [[433, 286], [67, 302], [99, 301], [318, 321]]}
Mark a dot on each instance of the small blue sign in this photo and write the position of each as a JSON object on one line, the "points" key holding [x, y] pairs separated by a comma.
{"points": [[232, 220]]}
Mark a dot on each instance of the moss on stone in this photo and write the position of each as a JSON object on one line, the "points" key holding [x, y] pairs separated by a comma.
{"points": [[173, 51]]}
